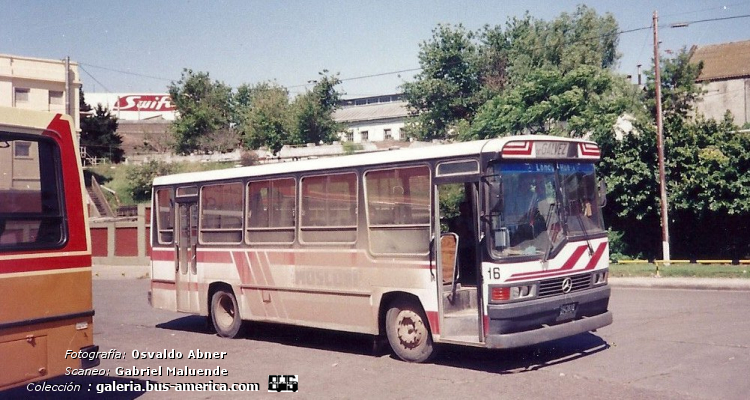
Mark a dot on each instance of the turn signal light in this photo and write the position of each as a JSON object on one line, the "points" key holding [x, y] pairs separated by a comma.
{"points": [[500, 293]]}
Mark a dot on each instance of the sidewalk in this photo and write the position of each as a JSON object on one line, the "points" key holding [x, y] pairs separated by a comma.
{"points": [[142, 272]]}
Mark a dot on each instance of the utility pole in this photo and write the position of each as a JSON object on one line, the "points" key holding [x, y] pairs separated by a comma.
{"points": [[660, 149], [67, 86]]}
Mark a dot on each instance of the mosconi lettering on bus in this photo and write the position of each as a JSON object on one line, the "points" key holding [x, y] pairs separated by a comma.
{"points": [[313, 276]]}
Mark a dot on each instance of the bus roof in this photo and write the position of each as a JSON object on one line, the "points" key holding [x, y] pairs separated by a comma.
{"points": [[385, 158], [28, 121]]}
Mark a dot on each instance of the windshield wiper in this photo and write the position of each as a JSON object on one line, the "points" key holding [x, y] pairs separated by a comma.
{"points": [[585, 235]]}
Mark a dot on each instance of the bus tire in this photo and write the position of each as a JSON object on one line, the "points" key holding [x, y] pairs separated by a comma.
{"points": [[225, 314], [408, 332]]}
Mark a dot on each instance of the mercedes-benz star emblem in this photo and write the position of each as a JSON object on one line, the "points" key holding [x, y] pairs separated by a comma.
{"points": [[567, 285]]}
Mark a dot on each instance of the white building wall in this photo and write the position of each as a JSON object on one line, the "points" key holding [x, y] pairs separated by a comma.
{"points": [[376, 130], [41, 77], [135, 106], [720, 96]]}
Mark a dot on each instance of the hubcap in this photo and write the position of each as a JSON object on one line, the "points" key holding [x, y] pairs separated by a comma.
{"points": [[410, 328]]}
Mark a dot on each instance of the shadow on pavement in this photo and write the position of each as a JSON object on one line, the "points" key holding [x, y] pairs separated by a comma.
{"points": [[508, 361], [524, 359]]}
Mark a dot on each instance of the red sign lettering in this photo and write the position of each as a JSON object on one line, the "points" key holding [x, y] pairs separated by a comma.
{"points": [[144, 102]]}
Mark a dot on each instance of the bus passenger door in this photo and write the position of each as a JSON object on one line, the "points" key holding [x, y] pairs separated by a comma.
{"points": [[186, 274], [457, 257]]}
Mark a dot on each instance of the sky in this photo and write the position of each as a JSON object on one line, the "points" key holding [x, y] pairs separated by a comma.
{"points": [[138, 46]]}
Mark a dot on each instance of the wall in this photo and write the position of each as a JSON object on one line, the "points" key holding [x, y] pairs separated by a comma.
{"points": [[40, 76], [122, 241], [732, 95]]}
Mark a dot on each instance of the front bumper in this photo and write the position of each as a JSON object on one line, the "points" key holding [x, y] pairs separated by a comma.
{"points": [[536, 321]]}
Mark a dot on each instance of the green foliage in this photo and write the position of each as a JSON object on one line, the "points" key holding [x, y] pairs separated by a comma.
{"points": [[141, 177], [267, 119], [539, 75], [578, 103], [203, 108], [99, 135], [617, 246], [565, 43], [351, 147], [447, 90], [133, 182], [312, 112]]}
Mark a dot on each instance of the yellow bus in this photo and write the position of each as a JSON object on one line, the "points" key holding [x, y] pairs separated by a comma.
{"points": [[496, 243], [46, 311]]}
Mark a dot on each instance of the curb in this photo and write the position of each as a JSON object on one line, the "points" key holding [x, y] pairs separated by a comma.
{"points": [[682, 283]]}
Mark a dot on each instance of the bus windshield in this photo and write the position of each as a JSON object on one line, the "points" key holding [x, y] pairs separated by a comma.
{"points": [[535, 206]]}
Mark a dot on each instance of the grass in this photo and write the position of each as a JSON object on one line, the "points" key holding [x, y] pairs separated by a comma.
{"points": [[115, 177], [681, 270]]}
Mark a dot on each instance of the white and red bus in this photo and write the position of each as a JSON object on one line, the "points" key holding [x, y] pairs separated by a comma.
{"points": [[497, 243], [46, 309]]}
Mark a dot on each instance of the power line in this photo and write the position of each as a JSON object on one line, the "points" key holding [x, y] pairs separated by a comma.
{"points": [[92, 77], [621, 32], [127, 72]]}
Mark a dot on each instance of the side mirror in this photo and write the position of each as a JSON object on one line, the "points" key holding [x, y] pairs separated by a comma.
{"points": [[602, 193]]}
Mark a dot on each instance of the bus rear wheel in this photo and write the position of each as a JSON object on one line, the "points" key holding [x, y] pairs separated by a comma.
{"points": [[225, 314], [407, 331]]}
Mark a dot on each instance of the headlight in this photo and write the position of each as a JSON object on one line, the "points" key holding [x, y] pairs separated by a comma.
{"points": [[500, 294], [599, 277]]}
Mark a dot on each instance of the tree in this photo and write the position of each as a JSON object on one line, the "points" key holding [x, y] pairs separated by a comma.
{"points": [[203, 107], [462, 70], [447, 89], [99, 134], [141, 177], [585, 101], [266, 120], [313, 112]]}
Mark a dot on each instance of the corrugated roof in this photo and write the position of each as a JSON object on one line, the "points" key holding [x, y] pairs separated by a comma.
{"points": [[372, 112], [723, 61]]}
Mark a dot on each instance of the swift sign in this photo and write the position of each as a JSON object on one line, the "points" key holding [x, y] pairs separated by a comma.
{"points": [[144, 102]]}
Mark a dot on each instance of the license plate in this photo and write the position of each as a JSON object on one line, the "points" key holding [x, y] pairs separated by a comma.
{"points": [[567, 311]]}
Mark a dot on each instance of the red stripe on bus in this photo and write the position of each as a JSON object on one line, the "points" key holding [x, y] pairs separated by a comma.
{"points": [[223, 257], [44, 264], [162, 255], [243, 267], [165, 285], [597, 256], [434, 320], [71, 176], [569, 264]]}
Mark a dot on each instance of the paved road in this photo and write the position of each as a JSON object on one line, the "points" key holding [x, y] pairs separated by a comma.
{"points": [[665, 343]]}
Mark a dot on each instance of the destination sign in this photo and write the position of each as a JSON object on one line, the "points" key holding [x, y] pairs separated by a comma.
{"points": [[554, 149]]}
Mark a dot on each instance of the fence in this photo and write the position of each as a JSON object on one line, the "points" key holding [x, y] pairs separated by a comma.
{"points": [[122, 241]]}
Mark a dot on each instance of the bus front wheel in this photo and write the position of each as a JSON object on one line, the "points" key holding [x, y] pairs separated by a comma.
{"points": [[225, 314], [407, 331]]}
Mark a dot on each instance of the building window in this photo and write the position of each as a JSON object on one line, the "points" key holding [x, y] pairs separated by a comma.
{"points": [[23, 149], [22, 95], [387, 134], [365, 136], [55, 98], [350, 136]]}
